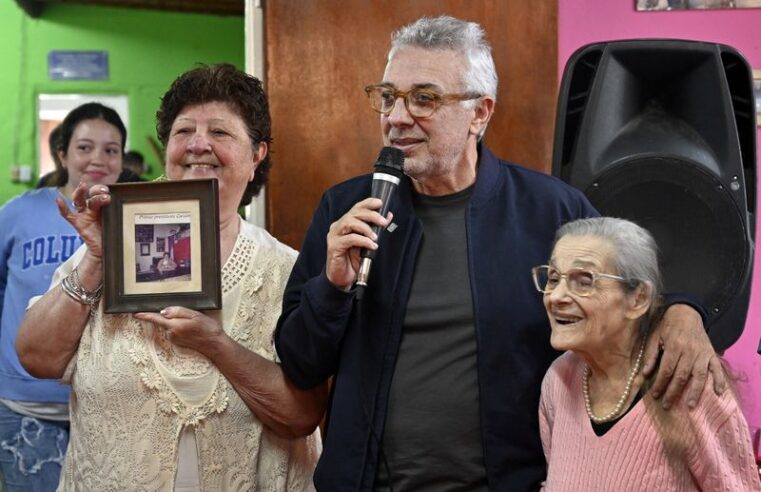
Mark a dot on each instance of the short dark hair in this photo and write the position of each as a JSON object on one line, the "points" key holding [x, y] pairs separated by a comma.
{"points": [[53, 145], [226, 84], [87, 111], [133, 156], [51, 178]]}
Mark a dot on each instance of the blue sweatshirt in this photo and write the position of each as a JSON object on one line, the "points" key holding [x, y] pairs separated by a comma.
{"points": [[34, 241]]}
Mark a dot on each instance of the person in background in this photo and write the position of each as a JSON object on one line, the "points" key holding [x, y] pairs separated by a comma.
{"points": [[600, 429], [133, 167], [134, 161], [34, 241], [166, 264], [182, 400], [51, 178], [437, 369]]}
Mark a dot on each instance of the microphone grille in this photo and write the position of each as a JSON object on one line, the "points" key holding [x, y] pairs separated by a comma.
{"points": [[390, 160]]}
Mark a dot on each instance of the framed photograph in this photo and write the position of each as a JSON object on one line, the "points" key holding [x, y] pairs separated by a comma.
{"points": [[757, 94], [696, 4], [161, 246]]}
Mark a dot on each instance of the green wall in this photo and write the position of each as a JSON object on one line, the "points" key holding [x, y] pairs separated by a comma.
{"points": [[146, 51]]}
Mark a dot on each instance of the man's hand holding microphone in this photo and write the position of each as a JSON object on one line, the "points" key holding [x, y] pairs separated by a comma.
{"points": [[353, 239]]}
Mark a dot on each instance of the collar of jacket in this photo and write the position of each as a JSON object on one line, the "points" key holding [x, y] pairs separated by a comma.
{"points": [[487, 170]]}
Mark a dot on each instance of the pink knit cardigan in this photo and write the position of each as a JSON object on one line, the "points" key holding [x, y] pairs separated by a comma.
{"points": [[649, 449]]}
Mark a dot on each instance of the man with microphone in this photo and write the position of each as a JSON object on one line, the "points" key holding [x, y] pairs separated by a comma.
{"points": [[437, 368]]}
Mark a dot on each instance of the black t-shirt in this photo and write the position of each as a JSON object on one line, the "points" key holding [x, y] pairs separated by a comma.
{"points": [[432, 434]]}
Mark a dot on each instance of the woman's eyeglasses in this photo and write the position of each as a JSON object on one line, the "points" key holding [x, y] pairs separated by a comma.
{"points": [[579, 281]]}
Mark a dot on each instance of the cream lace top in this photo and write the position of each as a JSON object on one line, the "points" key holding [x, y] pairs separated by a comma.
{"points": [[133, 392]]}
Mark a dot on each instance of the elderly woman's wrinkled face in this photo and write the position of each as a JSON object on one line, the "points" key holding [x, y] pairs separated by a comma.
{"points": [[210, 141], [588, 323]]}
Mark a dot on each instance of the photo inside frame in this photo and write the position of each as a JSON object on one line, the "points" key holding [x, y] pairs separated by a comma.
{"points": [[162, 247]]}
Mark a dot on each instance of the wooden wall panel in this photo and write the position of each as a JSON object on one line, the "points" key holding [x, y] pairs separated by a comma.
{"points": [[321, 53]]}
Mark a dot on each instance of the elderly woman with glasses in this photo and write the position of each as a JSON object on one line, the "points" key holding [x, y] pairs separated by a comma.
{"points": [[600, 430]]}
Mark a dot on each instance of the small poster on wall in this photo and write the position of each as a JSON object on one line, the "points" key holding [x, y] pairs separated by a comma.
{"points": [[78, 65], [697, 4]]}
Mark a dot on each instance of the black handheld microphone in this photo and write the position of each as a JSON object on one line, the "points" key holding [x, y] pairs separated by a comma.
{"points": [[387, 173]]}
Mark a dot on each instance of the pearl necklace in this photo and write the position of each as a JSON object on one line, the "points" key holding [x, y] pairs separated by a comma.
{"points": [[621, 401]]}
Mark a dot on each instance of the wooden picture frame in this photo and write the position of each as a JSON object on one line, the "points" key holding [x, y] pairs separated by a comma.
{"points": [[185, 216], [647, 5]]}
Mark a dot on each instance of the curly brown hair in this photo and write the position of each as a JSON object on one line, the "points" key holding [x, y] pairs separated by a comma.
{"points": [[240, 91]]}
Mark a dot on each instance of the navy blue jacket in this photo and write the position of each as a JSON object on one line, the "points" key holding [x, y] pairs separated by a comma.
{"points": [[511, 221]]}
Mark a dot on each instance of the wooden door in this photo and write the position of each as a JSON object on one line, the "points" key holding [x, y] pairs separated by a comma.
{"points": [[321, 53]]}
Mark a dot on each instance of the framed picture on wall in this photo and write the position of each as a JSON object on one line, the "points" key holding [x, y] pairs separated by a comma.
{"points": [[161, 246], [696, 4], [757, 94], [144, 234]]}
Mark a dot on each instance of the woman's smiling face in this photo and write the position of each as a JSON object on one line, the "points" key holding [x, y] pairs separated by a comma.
{"points": [[94, 154], [211, 140]]}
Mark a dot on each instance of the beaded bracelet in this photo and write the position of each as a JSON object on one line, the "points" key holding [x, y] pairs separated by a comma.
{"points": [[74, 289]]}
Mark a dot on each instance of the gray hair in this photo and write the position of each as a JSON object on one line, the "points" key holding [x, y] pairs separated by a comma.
{"points": [[634, 249], [448, 33]]}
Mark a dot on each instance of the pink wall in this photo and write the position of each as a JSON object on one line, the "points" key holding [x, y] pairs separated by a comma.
{"points": [[586, 21]]}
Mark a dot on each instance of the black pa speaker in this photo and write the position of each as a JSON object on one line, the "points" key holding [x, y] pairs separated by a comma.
{"points": [[663, 132]]}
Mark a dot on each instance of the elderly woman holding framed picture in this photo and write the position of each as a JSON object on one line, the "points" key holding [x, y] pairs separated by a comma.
{"points": [[182, 399]]}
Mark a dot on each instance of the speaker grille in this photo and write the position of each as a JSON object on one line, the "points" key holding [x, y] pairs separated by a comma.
{"points": [[697, 226]]}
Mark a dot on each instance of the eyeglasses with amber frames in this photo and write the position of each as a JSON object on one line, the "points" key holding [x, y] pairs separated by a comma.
{"points": [[578, 281], [420, 102]]}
